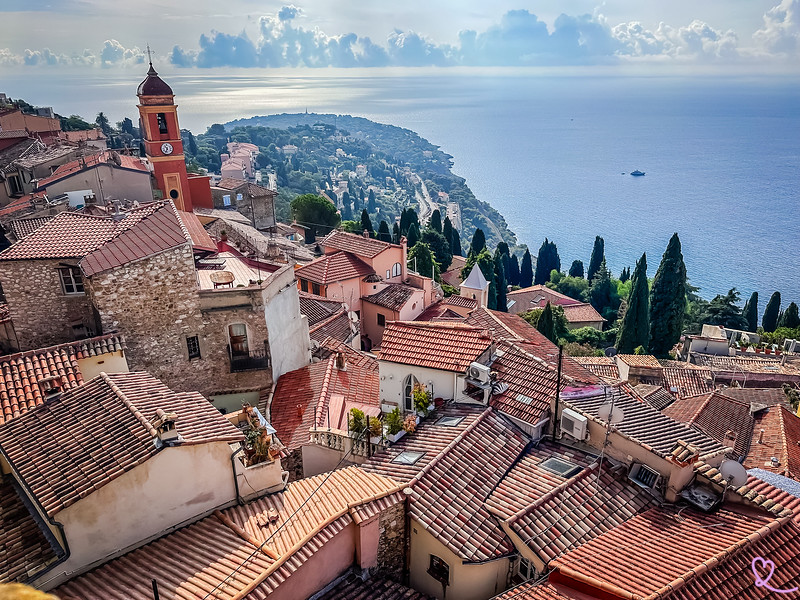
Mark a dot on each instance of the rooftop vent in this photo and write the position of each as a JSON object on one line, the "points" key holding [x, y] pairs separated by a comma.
{"points": [[408, 457], [560, 467], [164, 424], [449, 421], [51, 387]]}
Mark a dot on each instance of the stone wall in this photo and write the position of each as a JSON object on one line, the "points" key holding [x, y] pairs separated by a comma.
{"points": [[294, 464], [42, 314], [392, 543]]}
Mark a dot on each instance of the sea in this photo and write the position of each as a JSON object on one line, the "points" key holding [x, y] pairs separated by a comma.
{"points": [[551, 149]]}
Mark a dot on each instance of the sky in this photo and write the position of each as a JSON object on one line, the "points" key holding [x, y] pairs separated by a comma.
{"points": [[197, 34]]}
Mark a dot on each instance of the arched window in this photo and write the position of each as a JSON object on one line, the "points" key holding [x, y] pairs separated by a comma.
{"points": [[408, 392], [396, 270]]}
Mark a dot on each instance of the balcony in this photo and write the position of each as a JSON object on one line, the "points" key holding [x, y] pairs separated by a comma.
{"points": [[250, 360]]}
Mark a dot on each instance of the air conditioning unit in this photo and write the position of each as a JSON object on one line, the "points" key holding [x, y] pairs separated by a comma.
{"points": [[574, 424], [479, 372], [790, 345]]}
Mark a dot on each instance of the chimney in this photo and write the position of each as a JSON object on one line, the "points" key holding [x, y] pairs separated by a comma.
{"points": [[761, 436], [164, 424], [341, 361], [365, 233], [404, 260]]}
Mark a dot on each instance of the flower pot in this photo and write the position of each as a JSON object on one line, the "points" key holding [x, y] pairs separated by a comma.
{"points": [[767, 351], [393, 437], [758, 350]]}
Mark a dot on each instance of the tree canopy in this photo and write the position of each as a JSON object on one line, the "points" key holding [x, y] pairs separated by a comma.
{"points": [[478, 242], [750, 312], [790, 318], [548, 260], [500, 280], [421, 260], [526, 270], [316, 213], [598, 256], [436, 221], [635, 328], [668, 300], [439, 246], [770, 319], [384, 234], [576, 269], [723, 310], [366, 223]]}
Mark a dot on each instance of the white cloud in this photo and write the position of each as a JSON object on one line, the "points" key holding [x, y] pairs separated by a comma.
{"points": [[781, 31]]}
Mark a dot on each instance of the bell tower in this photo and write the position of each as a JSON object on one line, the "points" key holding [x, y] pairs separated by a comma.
{"points": [[161, 135]]}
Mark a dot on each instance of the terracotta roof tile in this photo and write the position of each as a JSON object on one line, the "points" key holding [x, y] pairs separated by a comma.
{"points": [[458, 471], [24, 203], [22, 373], [356, 244], [330, 268], [582, 313], [24, 227], [756, 396], [129, 163], [352, 587], [318, 308], [640, 360], [776, 433], [25, 547], [303, 398], [682, 382], [196, 561], [741, 364], [394, 296], [537, 296], [655, 395], [339, 327], [445, 346], [199, 236], [74, 235], [602, 366], [461, 301], [54, 446]]}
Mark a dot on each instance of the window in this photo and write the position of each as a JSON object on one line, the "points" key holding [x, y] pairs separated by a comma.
{"points": [[161, 118], [14, 186], [449, 421], [408, 392], [388, 273], [71, 280], [238, 337], [238, 198], [381, 320], [439, 570], [226, 200], [408, 457], [526, 569], [193, 346], [315, 289], [646, 476], [396, 270], [304, 285], [561, 467]]}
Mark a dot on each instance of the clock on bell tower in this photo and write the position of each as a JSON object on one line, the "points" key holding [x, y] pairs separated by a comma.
{"points": [[161, 135]]}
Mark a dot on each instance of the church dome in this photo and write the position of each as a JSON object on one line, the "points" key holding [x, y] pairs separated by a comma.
{"points": [[153, 85]]}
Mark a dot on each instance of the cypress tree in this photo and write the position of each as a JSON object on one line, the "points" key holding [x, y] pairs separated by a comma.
{"points": [[436, 221], [478, 242], [790, 317], [668, 300], [405, 221], [421, 259], [371, 202], [366, 223], [546, 324], [500, 280], [502, 247], [526, 270], [625, 275], [455, 244], [347, 209], [603, 293], [547, 261], [635, 328], [383, 232], [395, 233], [513, 270], [576, 270], [413, 235], [770, 319], [750, 312], [447, 232], [598, 256]]}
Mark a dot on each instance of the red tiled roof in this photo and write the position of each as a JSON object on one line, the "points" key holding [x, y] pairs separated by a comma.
{"points": [[334, 267], [444, 346], [161, 230], [54, 447], [604, 367], [356, 244], [352, 587], [18, 205], [737, 365], [194, 561], [394, 296], [129, 163], [318, 308], [531, 383], [756, 396], [461, 301], [716, 415], [22, 373], [459, 470], [24, 548], [582, 313], [74, 235], [780, 439], [13, 133], [338, 327], [682, 382], [24, 227], [646, 361], [304, 398], [537, 296], [199, 236], [655, 395]]}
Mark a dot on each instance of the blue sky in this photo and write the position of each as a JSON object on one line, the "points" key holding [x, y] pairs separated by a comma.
{"points": [[322, 33]]}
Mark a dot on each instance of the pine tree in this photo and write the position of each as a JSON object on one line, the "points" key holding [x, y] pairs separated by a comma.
{"points": [[635, 328], [668, 300], [413, 235], [770, 319], [548, 260], [598, 256], [366, 223], [526, 270], [436, 221], [790, 317], [750, 312], [455, 244], [395, 233], [513, 270], [383, 232], [447, 232], [546, 324], [478, 242], [500, 280], [576, 270]]}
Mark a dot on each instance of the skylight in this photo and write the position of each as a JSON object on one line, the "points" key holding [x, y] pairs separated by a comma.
{"points": [[560, 467], [408, 457], [449, 421], [524, 399]]}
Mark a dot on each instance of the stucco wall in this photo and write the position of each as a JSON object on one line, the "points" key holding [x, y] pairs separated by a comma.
{"points": [[321, 459], [392, 376], [345, 291], [40, 310], [112, 362], [385, 261], [117, 184], [467, 581], [141, 504]]}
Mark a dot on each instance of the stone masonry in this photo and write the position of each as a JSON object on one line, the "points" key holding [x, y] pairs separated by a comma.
{"points": [[392, 543]]}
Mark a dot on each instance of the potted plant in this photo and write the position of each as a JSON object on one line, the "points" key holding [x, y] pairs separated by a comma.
{"points": [[375, 430], [767, 349], [356, 422], [394, 425], [223, 236], [410, 424], [422, 400]]}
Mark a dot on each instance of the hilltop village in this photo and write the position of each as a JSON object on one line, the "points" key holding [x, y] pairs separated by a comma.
{"points": [[205, 395]]}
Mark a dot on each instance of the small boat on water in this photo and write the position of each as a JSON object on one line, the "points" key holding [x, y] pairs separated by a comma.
{"points": [[637, 173]]}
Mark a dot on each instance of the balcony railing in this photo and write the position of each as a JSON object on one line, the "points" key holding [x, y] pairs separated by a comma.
{"points": [[253, 360], [336, 439]]}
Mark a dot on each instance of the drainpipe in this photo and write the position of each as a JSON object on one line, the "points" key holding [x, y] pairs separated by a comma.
{"points": [[236, 479], [558, 392]]}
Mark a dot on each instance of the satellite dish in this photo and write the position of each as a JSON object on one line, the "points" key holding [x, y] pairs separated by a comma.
{"points": [[610, 351], [352, 316], [733, 472], [605, 413]]}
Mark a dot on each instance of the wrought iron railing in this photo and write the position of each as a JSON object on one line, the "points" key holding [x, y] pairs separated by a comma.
{"points": [[253, 360]]}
